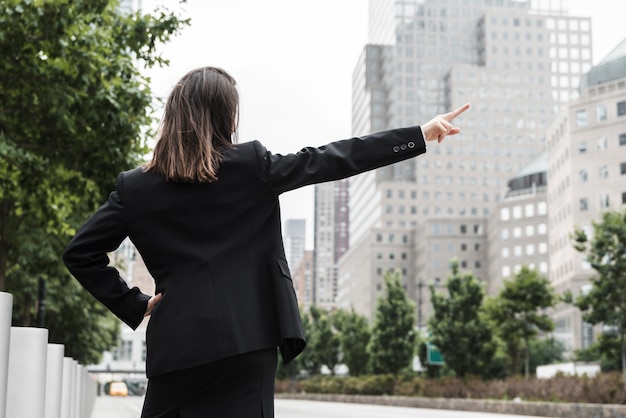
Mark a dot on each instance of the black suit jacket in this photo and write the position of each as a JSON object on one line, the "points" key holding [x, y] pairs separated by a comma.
{"points": [[215, 250]]}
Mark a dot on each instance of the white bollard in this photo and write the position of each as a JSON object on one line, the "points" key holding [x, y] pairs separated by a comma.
{"points": [[6, 306], [75, 390], [54, 380], [26, 385], [67, 389]]}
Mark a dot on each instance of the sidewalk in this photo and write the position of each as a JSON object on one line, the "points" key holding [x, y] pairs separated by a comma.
{"points": [[117, 407]]}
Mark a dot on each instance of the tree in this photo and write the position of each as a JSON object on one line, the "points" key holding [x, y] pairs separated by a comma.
{"points": [[307, 359], [545, 351], [606, 351], [392, 344], [354, 336], [605, 302], [517, 311], [457, 327], [324, 342], [74, 105]]}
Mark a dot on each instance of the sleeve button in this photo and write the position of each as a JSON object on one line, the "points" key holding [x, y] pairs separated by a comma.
{"points": [[396, 148], [411, 144]]}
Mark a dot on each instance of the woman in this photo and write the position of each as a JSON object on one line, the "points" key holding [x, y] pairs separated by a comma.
{"points": [[204, 214]]}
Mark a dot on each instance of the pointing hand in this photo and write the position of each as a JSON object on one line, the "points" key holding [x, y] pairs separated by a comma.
{"points": [[440, 126]]}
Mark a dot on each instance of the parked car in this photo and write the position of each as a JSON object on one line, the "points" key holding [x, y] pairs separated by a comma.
{"points": [[118, 389]]}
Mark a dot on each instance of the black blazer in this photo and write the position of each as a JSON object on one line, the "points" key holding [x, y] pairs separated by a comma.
{"points": [[215, 250]]}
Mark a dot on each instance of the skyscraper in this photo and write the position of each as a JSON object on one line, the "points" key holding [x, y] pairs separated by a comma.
{"points": [[516, 64], [331, 238], [295, 240]]}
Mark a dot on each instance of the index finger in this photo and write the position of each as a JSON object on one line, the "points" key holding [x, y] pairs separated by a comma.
{"points": [[456, 113]]}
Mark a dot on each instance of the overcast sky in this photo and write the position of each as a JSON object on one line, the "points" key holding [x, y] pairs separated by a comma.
{"points": [[293, 61]]}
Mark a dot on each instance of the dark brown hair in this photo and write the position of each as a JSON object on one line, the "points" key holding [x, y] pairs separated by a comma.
{"points": [[199, 124]]}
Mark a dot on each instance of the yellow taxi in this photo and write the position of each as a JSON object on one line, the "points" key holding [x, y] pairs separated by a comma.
{"points": [[118, 389]]}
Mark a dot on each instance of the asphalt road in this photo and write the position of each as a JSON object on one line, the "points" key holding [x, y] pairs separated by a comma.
{"points": [[130, 407]]}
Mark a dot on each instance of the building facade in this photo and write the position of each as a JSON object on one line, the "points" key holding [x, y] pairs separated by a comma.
{"points": [[517, 65], [586, 176], [331, 239], [294, 237], [517, 230]]}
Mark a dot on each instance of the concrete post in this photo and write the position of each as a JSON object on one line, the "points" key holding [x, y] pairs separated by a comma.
{"points": [[26, 385], [75, 390], [54, 380], [6, 306], [67, 387]]}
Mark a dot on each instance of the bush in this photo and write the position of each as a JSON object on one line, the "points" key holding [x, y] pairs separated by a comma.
{"points": [[323, 384], [605, 388], [369, 385]]}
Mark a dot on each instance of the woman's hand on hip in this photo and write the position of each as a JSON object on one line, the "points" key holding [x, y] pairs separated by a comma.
{"points": [[440, 126], [152, 303]]}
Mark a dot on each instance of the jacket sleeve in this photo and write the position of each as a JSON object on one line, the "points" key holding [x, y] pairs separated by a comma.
{"points": [[86, 258], [339, 159]]}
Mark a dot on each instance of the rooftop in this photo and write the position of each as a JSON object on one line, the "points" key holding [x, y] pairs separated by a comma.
{"points": [[612, 67]]}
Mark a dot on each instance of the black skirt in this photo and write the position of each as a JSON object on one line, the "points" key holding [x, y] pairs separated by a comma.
{"points": [[235, 387]]}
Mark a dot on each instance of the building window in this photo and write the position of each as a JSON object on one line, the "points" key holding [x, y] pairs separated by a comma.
{"points": [[601, 113], [530, 230], [504, 213], [543, 248], [622, 139], [463, 229], [603, 171], [583, 204], [517, 232], [604, 201], [530, 249], [583, 175], [622, 168], [582, 147], [529, 210], [602, 143], [542, 229], [517, 212], [621, 108], [505, 233], [505, 252], [623, 198], [542, 208], [581, 118]]}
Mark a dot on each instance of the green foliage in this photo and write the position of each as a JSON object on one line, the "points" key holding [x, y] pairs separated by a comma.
{"points": [[308, 360], [457, 326], [324, 342], [517, 313], [544, 351], [606, 351], [392, 344], [73, 114], [354, 335], [606, 253]]}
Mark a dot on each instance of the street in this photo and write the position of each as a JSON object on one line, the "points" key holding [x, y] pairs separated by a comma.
{"points": [[130, 407]]}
